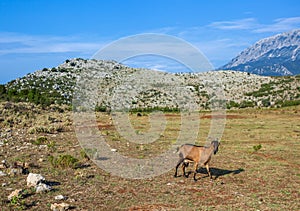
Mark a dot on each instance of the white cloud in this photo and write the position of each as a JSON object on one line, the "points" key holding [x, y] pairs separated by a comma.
{"points": [[19, 43], [247, 23], [280, 25], [252, 25]]}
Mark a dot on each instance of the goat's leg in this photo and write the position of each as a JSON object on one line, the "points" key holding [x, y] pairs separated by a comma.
{"points": [[195, 170], [207, 168], [178, 164], [184, 165]]}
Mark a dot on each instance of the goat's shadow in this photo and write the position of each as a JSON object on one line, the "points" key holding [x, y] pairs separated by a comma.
{"points": [[216, 172]]}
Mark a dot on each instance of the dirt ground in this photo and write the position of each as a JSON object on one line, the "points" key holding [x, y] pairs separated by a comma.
{"points": [[257, 166]]}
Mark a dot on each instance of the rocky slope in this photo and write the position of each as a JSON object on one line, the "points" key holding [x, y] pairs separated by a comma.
{"points": [[141, 89], [278, 55]]}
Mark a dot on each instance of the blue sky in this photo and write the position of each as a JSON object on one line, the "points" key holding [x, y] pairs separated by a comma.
{"points": [[40, 33]]}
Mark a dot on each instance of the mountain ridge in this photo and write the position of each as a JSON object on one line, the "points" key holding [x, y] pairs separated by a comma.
{"points": [[278, 55]]}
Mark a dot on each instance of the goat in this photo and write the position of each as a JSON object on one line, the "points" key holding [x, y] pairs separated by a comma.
{"points": [[197, 154]]}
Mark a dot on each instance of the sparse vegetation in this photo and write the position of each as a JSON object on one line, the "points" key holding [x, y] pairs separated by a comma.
{"points": [[242, 178], [41, 140], [246, 104], [149, 110], [63, 161], [257, 147]]}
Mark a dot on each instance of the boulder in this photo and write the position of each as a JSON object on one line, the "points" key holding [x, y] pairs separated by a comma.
{"points": [[34, 179]]}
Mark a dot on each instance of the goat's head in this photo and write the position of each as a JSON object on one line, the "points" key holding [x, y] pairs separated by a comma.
{"points": [[216, 146]]}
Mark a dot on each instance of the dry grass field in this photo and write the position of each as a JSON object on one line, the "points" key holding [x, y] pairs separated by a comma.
{"points": [[257, 166]]}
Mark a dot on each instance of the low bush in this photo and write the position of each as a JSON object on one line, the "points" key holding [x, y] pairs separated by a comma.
{"points": [[63, 161]]}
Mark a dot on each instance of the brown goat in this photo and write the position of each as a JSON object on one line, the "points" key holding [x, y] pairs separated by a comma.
{"points": [[197, 154]]}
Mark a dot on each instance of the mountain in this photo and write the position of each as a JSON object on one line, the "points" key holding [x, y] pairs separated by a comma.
{"points": [[142, 89], [278, 55]]}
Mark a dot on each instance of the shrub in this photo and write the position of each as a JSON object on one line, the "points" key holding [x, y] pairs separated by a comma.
{"points": [[257, 147], [53, 69], [232, 104], [56, 128], [246, 104], [290, 103], [149, 110], [101, 108], [40, 140], [63, 161]]}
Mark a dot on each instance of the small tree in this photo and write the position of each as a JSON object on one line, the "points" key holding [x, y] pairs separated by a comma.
{"points": [[3, 92]]}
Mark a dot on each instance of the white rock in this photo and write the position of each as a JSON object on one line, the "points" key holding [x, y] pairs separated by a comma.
{"points": [[42, 187], [59, 207], [113, 150], [59, 197], [34, 179], [15, 193], [2, 173]]}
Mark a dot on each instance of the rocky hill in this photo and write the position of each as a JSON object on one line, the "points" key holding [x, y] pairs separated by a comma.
{"points": [[278, 55], [143, 89]]}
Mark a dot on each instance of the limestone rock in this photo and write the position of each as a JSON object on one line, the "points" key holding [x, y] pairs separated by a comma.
{"points": [[15, 193], [34, 179], [60, 207], [42, 187], [2, 173], [60, 197]]}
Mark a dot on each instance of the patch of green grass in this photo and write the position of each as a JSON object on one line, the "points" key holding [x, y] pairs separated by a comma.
{"points": [[40, 140], [63, 161], [83, 154], [257, 147]]}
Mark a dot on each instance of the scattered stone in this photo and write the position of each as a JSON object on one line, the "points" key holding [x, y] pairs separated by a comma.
{"points": [[43, 146], [60, 197], [34, 179], [42, 187], [4, 184], [59, 207], [3, 164], [72, 200], [15, 193], [113, 150], [18, 168], [15, 171], [2, 174]]}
